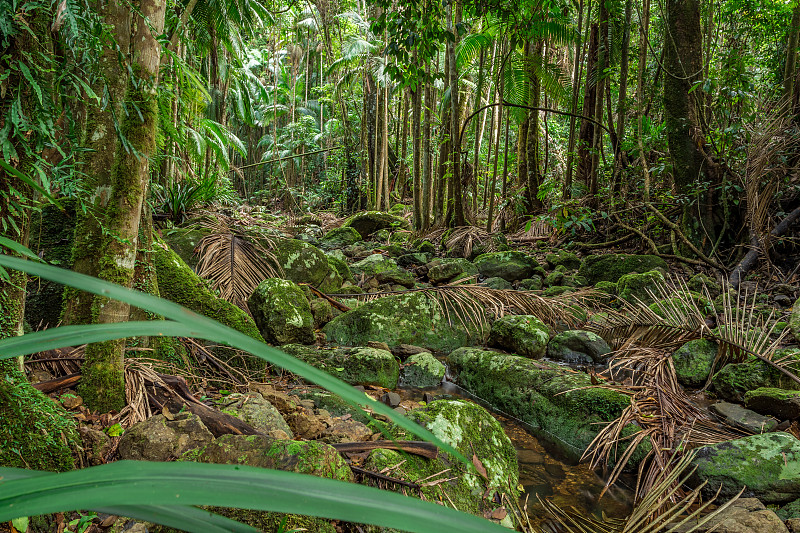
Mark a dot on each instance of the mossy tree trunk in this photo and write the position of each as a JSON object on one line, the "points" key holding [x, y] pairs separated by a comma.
{"points": [[102, 385], [34, 431]]}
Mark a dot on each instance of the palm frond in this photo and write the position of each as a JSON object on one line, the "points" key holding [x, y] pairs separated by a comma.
{"points": [[235, 264]]}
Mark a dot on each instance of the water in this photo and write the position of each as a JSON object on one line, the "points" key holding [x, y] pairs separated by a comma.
{"points": [[545, 475]]}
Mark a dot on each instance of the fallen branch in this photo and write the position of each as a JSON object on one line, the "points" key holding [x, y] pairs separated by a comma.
{"points": [[751, 258], [383, 477], [424, 449], [58, 383]]}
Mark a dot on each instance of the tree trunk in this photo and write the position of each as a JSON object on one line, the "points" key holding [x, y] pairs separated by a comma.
{"points": [[534, 166], [580, 48], [791, 57], [102, 386], [457, 197], [590, 95], [622, 100]]}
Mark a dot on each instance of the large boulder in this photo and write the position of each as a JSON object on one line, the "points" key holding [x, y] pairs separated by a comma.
{"points": [[638, 287], [780, 403], [734, 380], [421, 370], [384, 269], [523, 335], [559, 404], [282, 313], [305, 263], [476, 434], [412, 318], [768, 465], [511, 266], [357, 366], [178, 283], [368, 222], [563, 258], [611, 267], [256, 411], [693, 362], [161, 439], [578, 346], [339, 238], [448, 269]]}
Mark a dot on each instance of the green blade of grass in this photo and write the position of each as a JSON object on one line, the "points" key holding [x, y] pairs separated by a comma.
{"points": [[185, 518], [208, 329], [140, 483]]}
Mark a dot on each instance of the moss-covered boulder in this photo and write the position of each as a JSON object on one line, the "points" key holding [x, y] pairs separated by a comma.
{"points": [[178, 283], [184, 240], [255, 410], [339, 238], [559, 404], [781, 403], [611, 267], [472, 431], [162, 439], [282, 313], [563, 258], [304, 263], [357, 366], [368, 222], [384, 269], [340, 265], [35, 432], [639, 287], [523, 335], [768, 465], [533, 283], [693, 362], [702, 284], [511, 266], [578, 346], [307, 457], [734, 380], [421, 370], [448, 269], [608, 287], [498, 284], [412, 318], [794, 320]]}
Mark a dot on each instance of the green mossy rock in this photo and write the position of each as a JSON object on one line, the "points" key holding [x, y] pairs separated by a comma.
{"points": [[322, 311], [307, 457], [368, 222], [554, 278], [384, 269], [256, 411], [472, 431], [790, 510], [282, 313], [184, 240], [178, 283], [781, 403], [52, 234], [410, 318], [497, 284], [637, 287], [608, 287], [693, 362], [424, 247], [523, 335], [794, 320], [734, 380], [341, 266], [511, 266], [35, 432], [611, 267], [578, 346], [339, 238], [421, 370], [563, 258], [161, 439], [700, 283], [447, 269], [557, 290], [304, 263], [768, 465], [559, 404], [357, 366], [533, 283]]}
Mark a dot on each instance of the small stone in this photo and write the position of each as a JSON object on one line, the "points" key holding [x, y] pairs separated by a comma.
{"points": [[379, 345], [71, 401], [739, 417], [323, 413], [399, 409], [279, 434], [308, 404], [405, 350], [392, 399], [346, 431], [783, 300]]}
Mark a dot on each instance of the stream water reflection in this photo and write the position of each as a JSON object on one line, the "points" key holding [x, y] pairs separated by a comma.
{"points": [[544, 475]]}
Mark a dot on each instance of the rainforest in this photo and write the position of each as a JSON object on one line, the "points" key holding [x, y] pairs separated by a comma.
{"points": [[352, 266]]}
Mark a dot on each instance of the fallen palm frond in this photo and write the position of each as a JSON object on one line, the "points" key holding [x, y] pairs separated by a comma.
{"points": [[58, 362], [462, 241], [538, 230], [676, 317], [662, 507], [474, 304], [234, 263]]}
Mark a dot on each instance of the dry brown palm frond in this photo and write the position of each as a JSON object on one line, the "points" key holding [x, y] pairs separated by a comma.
{"points": [[661, 508], [468, 303], [537, 230], [235, 264], [461, 241], [58, 362]]}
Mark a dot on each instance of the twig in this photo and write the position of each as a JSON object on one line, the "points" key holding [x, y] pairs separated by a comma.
{"points": [[382, 477], [674, 227]]}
